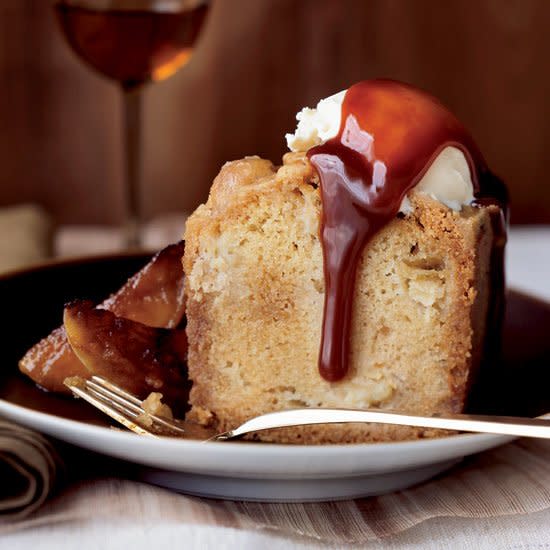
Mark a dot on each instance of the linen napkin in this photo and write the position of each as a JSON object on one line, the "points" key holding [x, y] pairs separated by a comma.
{"points": [[29, 470], [501, 485], [155, 234], [29, 466], [25, 236]]}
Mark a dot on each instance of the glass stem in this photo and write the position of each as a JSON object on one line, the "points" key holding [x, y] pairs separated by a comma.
{"points": [[132, 139]]}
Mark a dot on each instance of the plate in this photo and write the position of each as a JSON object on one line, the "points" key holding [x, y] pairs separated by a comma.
{"points": [[32, 305]]}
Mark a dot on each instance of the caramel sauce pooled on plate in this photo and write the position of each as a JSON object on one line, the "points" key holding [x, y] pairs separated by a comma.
{"points": [[389, 135]]}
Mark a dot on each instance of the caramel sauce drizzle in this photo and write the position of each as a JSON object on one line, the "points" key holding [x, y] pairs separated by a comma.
{"points": [[389, 135]]}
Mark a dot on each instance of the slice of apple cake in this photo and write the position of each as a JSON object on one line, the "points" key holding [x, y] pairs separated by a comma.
{"points": [[358, 274]]}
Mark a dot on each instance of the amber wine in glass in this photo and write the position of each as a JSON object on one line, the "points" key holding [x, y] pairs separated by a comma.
{"points": [[132, 42]]}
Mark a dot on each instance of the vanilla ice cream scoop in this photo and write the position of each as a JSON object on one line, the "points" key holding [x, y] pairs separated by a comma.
{"points": [[447, 180], [316, 126]]}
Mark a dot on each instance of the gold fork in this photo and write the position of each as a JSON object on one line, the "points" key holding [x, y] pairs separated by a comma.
{"points": [[128, 410]]}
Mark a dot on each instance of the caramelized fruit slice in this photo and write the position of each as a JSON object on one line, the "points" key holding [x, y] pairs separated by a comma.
{"points": [[139, 358], [153, 296], [52, 360]]}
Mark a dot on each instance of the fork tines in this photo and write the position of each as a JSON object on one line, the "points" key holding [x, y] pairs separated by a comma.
{"points": [[122, 406]]}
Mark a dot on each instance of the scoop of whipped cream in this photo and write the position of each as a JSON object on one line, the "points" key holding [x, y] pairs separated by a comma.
{"points": [[447, 180]]}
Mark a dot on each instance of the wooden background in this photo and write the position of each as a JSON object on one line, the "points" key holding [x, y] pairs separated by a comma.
{"points": [[257, 62]]}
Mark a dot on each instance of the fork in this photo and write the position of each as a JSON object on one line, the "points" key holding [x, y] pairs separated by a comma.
{"points": [[128, 410]]}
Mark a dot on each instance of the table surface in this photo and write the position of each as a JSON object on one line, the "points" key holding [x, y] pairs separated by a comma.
{"points": [[528, 269]]}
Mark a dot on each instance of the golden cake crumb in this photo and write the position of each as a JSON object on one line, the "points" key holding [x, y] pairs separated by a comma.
{"points": [[255, 290]]}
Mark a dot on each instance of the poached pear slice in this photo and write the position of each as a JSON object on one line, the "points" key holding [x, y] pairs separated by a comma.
{"points": [[136, 357], [154, 296], [52, 360]]}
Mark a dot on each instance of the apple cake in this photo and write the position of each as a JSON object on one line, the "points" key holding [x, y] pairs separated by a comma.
{"points": [[255, 288]]}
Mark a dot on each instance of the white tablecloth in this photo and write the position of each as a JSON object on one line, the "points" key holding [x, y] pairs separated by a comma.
{"points": [[528, 260], [529, 532], [528, 265]]}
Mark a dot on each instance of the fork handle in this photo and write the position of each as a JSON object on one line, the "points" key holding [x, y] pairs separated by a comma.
{"points": [[505, 425]]}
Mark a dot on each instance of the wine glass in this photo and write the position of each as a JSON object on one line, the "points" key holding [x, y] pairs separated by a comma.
{"points": [[133, 42]]}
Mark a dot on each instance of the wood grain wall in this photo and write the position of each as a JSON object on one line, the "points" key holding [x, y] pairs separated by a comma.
{"points": [[257, 62]]}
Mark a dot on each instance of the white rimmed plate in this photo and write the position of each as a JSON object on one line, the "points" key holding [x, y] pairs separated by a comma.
{"points": [[255, 471], [32, 301]]}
